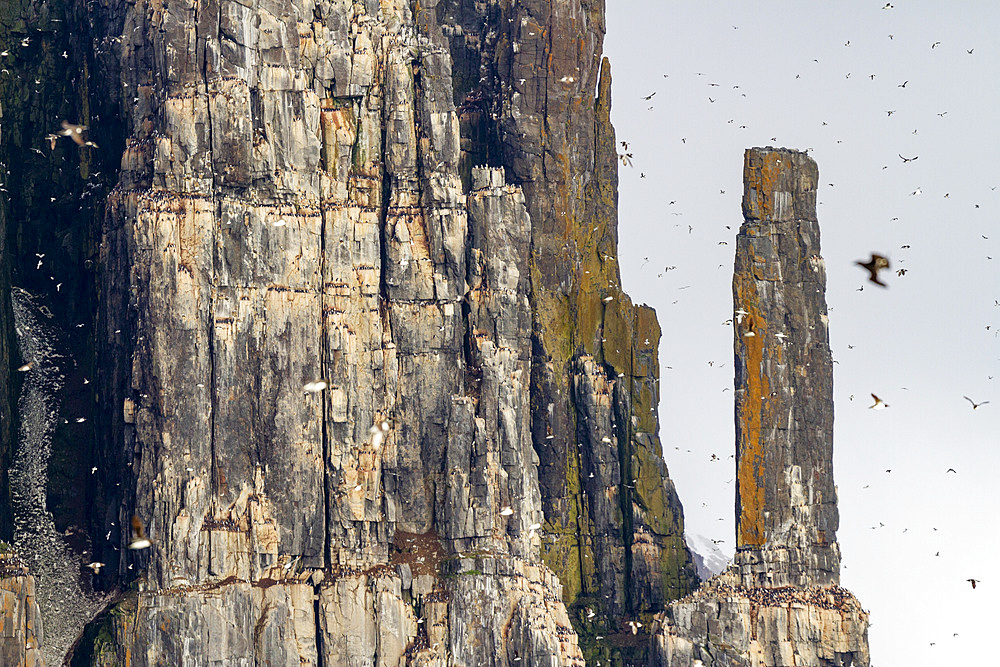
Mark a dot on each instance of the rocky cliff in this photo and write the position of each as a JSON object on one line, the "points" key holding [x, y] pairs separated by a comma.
{"points": [[780, 602], [344, 335]]}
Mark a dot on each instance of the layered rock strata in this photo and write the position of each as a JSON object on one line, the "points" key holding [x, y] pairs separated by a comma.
{"points": [[410, 207], [302, 199], [729, 625], [780, 602], [524, 79], [21, 631], [786, 501]]}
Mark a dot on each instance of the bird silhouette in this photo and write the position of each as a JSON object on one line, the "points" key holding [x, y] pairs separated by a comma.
{"points": [[973, 582], [873, 266], [975, 406], [879, 404]]}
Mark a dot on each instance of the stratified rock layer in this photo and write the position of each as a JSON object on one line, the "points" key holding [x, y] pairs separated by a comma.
{"points": [[724, 625], [301, 199], [21, 631], [779, 603], [414, 203]]}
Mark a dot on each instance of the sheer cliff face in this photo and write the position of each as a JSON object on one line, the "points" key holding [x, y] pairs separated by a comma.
{"points": [[779, 602], [309, 192], [365, 373]]}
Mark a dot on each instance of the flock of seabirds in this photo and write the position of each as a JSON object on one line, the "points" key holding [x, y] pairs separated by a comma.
{"points": [[874, 266]]}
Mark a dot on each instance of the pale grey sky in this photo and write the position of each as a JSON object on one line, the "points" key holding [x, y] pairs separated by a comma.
{"points": [[804, 76]]}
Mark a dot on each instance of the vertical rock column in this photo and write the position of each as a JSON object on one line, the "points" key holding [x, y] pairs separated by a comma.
{"points": [[786, 502], [779, 602]]}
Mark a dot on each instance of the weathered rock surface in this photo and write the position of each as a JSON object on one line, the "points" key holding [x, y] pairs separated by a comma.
{"points": [[415, 204], [786, 499], [779, 603], [301, 207], [724, 625], [7, 387], [21, 632]]}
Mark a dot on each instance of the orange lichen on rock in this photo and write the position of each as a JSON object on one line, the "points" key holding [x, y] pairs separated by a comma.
{"points": [[750, 452]]}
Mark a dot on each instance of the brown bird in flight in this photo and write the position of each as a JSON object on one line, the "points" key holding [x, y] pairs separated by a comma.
{"points": [[74, 132], [973, 582], [873, 266]]}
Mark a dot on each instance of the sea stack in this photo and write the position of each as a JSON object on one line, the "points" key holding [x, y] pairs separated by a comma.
{"points": [[786, 501], [779, 603]]}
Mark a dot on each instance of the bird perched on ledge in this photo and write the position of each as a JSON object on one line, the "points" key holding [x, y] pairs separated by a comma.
{"points": [[873, 266]]}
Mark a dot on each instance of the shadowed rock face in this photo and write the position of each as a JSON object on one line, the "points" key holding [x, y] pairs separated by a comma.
{"points": [[779, 602]]}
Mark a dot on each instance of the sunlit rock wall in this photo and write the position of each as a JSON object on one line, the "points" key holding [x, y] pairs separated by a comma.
{"points": [[308, 192]]}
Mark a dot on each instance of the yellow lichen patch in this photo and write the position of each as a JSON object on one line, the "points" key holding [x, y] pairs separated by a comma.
{"points": [[589, 313], [646, 343], [749, 448], [761, 182], [617, 343], [644, 401]]}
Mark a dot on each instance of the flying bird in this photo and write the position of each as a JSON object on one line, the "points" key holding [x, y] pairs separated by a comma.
{"points": [[973, 582], [650, 96], [873, 266], [975, 406], [879, 405], [74, 132], [907, 159], [139, 539]]}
